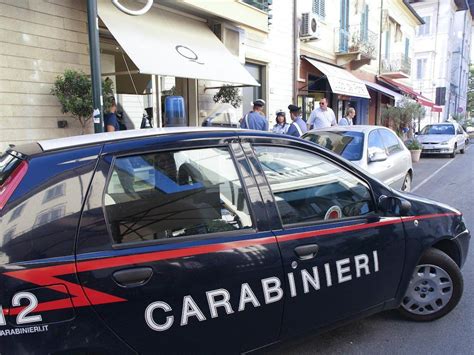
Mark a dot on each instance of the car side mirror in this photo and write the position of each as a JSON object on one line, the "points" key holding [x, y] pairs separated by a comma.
{"points": [[377, 156], [394, 205]]}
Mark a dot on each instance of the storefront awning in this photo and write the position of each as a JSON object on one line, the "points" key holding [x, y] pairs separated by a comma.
{"points": [[437, 108], [422, 100], [384, 90], [165, 43], [341, 81]]}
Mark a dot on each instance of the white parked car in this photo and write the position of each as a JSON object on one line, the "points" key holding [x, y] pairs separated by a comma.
{"points": [[442, 138], [376, 149]]}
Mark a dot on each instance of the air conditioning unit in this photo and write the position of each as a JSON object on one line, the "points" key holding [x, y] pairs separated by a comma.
{"points": [[309, 26]]}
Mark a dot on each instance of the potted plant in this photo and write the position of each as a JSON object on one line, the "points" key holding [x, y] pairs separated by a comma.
{"points": [[415, 149], [228, 94], [74, 92]]}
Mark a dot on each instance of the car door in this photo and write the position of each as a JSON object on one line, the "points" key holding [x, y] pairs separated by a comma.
{"points": [[174, 248], [380, 169], [461, 141], [399, 160], [340, 255]]}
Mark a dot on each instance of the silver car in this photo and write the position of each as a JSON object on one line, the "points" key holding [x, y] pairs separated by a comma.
{"points": [[375, 149], [442, 138]]}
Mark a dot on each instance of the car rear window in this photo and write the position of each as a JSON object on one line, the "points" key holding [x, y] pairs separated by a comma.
{"points": [[345, 143], [8, 164]]}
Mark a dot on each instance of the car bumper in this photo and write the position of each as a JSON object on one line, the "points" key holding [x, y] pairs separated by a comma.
{"points": [[462, 240], [437, 150]]}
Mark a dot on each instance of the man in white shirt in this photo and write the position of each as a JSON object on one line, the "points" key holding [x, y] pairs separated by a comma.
{"points": [[322, 116]]}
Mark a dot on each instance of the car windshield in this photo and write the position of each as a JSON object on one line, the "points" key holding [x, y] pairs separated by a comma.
{"points": [[438, 129], [345, 143]]}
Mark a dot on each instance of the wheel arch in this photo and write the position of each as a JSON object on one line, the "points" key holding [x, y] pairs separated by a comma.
{"points": [[450, 248]]}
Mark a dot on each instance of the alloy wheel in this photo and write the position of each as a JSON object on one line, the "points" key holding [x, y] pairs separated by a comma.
{"points": [[429, 291]]}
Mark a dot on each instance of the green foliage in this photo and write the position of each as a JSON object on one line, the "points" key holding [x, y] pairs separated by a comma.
{"points": [[470, 93], [228, 94], [402, 115], [74, 92], [413, 144]]}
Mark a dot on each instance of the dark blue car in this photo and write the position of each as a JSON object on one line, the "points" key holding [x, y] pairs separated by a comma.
{"points": [[208, 240]]}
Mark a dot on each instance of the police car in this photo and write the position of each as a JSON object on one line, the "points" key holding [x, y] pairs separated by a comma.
{"points": [[202, 240]]}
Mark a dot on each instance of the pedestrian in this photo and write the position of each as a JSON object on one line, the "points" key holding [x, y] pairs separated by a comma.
{"points": [[111, 122], [280, 127], [255, 119], [298, 126], [322, 116], [347, 121]]}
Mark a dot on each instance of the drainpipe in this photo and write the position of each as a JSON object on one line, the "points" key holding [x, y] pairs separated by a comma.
{"points": [[93, 29], [296, 57], [380, 38], [461, 56], [433, 71]]}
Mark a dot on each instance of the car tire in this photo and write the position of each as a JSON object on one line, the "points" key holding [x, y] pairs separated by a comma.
{"points": [[406, 186], [435, 288], [453, 154], [463, 149]]}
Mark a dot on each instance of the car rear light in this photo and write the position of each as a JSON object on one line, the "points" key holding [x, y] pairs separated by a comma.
{"points": [[11, 183]]}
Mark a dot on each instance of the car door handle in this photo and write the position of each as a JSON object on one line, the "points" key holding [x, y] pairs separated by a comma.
{"points": [[306, 252], [133, 277]]}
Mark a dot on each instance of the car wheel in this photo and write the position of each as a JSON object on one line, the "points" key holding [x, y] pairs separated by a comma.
{"points": [[453, 154], [435, 288], [407, 182]]}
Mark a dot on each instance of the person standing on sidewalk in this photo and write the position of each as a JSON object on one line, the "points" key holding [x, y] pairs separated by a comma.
{"points": [[298, 127], [322, 116], [255, 119], [280, 127], [348, 120], [111, 122]]}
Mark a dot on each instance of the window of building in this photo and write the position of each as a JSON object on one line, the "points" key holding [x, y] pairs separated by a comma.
{"points": [[252, 93], [259, 4], [319, 8], [175, 194], [54, 192], [17, 212], [420, 68], [387, 44], [364, 23], [424, 30], [407, 49], [50, 215], [308, 188]]}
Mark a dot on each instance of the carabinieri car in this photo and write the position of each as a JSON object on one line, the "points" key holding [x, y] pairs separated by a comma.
{"points": [[207, 240]]}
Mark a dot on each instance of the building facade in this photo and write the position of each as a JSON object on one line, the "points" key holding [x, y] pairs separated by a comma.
{"points": [[442, 56], [40, 39], [370, 40]]}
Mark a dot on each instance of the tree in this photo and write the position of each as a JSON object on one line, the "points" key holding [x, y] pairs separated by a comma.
{"points": [[74, 92], [402, 116], [470, 94]]}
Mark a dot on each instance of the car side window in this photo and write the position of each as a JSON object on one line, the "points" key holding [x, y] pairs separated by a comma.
{"points": [[173, 194], [375, 143], [391, 141], [309, 188]]}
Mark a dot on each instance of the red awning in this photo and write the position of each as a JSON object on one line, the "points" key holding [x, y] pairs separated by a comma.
{"points": [[437, 108], [409, 91]]}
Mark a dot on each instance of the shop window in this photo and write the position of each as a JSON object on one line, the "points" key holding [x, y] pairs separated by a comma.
{"points": [[175, 194]]}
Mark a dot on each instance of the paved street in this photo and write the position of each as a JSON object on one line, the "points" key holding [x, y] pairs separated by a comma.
{"points": [[388, 332]]}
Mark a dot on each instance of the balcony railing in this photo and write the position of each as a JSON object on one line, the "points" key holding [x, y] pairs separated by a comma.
{"points": [[356, 39], [259, 4], [397, 64]]}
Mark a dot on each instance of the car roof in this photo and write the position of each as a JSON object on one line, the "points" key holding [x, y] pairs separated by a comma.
{"points": [[74, 141], [441, 123], [355, 128]]}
